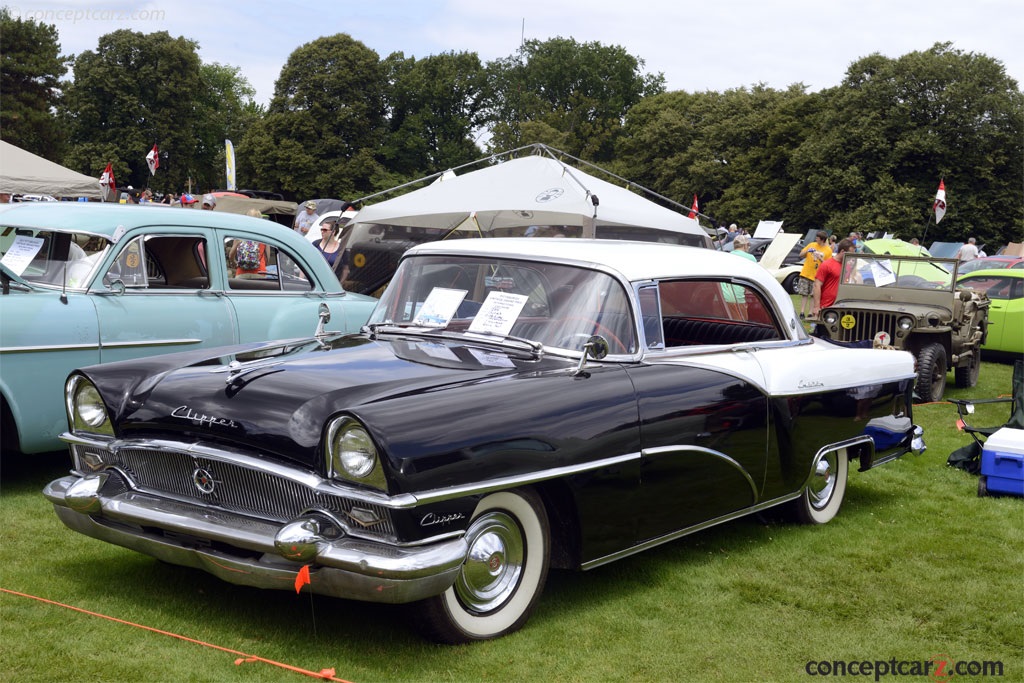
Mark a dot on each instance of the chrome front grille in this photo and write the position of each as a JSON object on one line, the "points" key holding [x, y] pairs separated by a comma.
{"points": [[237, 488], [866, 325]]}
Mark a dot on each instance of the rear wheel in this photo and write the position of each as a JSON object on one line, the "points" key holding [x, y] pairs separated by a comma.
{"points": [[968, 376], [931, 373], [504, 573], [824, 493]]}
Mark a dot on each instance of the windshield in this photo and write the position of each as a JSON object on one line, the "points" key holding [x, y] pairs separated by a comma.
{"points": [[556, 305], [892, 271], [52, 257]]}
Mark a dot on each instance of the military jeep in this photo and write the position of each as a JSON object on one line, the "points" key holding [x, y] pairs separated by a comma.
{"points": [[913, 304]]}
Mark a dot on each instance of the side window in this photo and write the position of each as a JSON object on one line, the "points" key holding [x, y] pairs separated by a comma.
{"points": [[650, 314], [161, 262], [130, 266], [259, 266], [698, 312]]}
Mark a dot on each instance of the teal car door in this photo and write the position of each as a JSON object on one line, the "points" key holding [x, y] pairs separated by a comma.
{"points": [[162, 292]]}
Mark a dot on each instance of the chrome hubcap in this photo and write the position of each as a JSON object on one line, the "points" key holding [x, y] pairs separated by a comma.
{"points": [[823, 483], [494, 563]]}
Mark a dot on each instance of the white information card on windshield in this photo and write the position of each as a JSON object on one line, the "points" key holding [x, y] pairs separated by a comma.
{"points": [[439, 307], [881, 271], [498, 313], [21, 253]]}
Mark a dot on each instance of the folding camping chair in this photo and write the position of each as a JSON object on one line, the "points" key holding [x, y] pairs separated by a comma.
{"points": [[969, 457]]}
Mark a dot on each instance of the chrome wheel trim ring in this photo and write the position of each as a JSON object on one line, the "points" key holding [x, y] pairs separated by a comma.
{"points": [[823, 483], [494, 564]]}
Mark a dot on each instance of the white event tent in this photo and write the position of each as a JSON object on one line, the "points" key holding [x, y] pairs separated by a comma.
{"points": [[22, 172], [534, 191]]}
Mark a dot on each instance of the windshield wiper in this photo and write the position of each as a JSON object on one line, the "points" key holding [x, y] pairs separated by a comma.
{"points": [[489, 338]]}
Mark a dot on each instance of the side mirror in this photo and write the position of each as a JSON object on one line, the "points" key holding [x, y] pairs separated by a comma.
{"points": [[324, 311], [596, 348]]}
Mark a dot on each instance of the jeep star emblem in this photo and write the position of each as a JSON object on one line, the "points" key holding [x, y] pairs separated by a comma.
{"points": [[204, 481]]}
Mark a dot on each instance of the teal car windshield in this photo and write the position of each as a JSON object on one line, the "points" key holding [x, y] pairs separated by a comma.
{"points": [[51, 257]]}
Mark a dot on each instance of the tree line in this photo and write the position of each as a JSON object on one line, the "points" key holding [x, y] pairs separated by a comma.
{"points": [[343, 122]]}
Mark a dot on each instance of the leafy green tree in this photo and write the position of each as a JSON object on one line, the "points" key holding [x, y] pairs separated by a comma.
{"points": [[436, 105], [134, 91], [325, 125], [895, 127], [226, 111], [30, 71], [573, 96], [731, 149]]}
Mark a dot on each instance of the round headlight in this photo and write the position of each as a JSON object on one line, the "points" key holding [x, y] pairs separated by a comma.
{"points": [[352, 450], [905, 323], [89, 406], [831, 317]]}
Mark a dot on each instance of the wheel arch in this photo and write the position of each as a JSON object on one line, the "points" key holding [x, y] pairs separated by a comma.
{"points": [[564, 523]]}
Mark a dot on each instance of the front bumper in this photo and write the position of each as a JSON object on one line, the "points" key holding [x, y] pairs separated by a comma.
{"points": [[250, 552]]}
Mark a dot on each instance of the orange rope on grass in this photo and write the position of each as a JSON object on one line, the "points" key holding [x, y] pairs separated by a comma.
{"points": [[325, 674]]}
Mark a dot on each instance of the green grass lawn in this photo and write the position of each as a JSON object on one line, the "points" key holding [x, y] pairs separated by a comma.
{"points": [[914, 567]]}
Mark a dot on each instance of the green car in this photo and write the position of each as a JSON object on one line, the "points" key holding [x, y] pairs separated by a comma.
{"points": [[94, 283], [1005, 289]]}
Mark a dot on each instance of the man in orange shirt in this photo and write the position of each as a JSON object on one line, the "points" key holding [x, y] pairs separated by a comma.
{"points": [[815, 253]]}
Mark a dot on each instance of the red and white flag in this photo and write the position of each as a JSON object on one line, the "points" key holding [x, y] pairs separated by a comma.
{"points": [[940, 202], [153, 160], [107, 181], [693, 209]]}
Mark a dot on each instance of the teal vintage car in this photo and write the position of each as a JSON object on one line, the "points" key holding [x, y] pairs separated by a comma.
{"points": [[1005, 289], [95, 283]]}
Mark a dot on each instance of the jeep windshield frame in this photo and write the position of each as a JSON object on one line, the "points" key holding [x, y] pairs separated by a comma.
{"points": [[899, 272]]}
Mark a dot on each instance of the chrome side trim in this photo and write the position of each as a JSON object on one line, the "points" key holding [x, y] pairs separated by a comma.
{"points": [[103, 345], [154, 342], [646, 545], [55, 347], [401, 501], [707, 451]]}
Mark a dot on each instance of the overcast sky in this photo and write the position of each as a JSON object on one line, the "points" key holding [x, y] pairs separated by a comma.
{"points": [[706, 45]]}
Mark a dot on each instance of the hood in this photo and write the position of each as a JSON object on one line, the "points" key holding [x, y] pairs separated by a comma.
{"points": [[276, 398]]}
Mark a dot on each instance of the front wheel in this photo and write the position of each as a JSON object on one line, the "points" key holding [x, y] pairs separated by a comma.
{"points": [[931, 373], [504, 573], [823, 495]]}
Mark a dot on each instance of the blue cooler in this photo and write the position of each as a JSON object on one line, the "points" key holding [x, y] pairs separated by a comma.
{"points": [[1002, 463]]}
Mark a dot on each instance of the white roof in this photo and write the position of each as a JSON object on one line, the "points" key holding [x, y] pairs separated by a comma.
{"points": [[635, 261], [531, 190]]}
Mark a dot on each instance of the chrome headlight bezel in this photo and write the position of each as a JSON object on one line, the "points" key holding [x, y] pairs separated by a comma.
{"points": [[85, 408], [351, 453], [830, 317], [905, 323]]}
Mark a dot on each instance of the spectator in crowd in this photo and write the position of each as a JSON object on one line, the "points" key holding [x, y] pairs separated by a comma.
{"points": [[969, 251], [209, 202], [304, 221], [741, 246], [826, 281], [186, 200], [814, 255], [5, 197], [858, 243]]}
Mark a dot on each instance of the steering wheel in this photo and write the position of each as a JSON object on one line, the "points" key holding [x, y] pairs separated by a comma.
{"points": [[567, 341]]}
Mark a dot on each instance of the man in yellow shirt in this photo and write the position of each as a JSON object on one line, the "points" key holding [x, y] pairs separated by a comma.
{"points": [[814, 255]]}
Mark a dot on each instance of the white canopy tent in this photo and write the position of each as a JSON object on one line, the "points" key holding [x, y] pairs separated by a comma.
{"points": [[22, 172], [534, 191]]}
